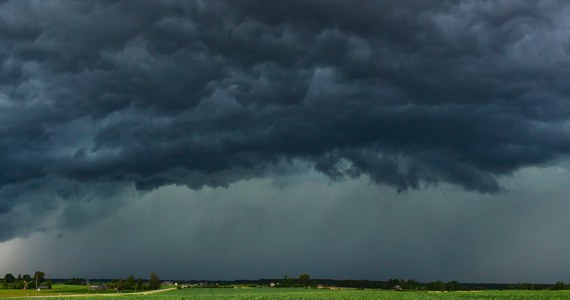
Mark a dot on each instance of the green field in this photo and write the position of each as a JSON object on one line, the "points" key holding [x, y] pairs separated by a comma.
{"points": [[313, 294], [58, 289], [278, 294]]}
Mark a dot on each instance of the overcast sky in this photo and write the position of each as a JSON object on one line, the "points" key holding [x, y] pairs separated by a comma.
{"points": [[247, 139]]}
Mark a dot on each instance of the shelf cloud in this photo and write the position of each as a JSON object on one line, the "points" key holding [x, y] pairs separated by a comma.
{"points": [[101, 101]]}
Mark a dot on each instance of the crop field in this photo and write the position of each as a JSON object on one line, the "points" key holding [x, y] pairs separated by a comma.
{"points": [[347, 294], [314, 294]]}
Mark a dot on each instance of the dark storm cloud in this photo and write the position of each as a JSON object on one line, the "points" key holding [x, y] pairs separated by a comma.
{"points": [[149, 93]]}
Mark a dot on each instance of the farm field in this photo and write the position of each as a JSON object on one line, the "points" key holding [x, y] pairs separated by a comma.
{"points": [[310, 294], [346, 294], [58, 289]]}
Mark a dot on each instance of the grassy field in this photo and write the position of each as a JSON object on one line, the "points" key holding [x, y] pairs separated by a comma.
{"points": [[310, 294], [58, 289], [314, 294]]}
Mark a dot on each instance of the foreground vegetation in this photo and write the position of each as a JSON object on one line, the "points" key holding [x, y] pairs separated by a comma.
{"points": [[342, 294], [56, 290], [303, 287], [313, 294]]}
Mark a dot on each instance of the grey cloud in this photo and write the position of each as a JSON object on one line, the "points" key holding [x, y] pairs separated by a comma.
{"points": [[205, 93], [350, 229], [50, 203]]}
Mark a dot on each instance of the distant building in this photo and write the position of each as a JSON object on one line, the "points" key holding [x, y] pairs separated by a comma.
{"points": [[320, 286]]}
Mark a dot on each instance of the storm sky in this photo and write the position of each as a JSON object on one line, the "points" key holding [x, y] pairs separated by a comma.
{"points": [[247, 139]]}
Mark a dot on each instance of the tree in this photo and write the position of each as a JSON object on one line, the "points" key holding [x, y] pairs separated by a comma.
{"points": [[154, 282], [413, 285], [9, 278], [140, 284], [436, 286], [18, 285], [392, 283], [27, 277], [130, 283], [287, 281], [120, 284], [39, 277], [304, 279], [452, 286], [559, 286]]}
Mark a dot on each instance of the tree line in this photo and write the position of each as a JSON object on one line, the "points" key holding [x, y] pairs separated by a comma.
{"points": [[410, 284], [26, 281], [39, 280], [139, 284], [559, 285]]}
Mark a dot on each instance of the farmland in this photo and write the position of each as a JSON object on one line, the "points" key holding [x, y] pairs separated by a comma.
{"points": [[266, 293], [309, 294], [58, 289]]}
